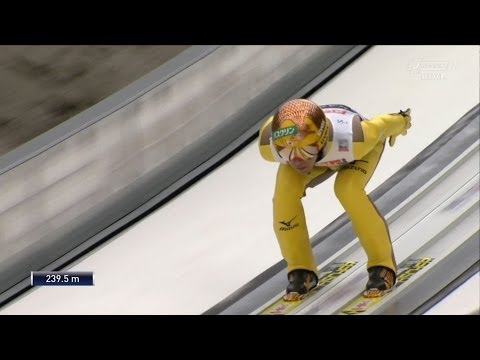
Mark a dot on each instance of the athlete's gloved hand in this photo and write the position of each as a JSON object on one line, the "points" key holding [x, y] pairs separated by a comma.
{"points": [[408, 119]]}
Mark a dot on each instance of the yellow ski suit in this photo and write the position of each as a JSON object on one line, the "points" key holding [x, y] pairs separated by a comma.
{"points": [[368, 138]]}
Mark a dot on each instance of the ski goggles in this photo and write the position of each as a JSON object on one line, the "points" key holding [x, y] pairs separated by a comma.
{"points": [[303, 153], [291, 136]]}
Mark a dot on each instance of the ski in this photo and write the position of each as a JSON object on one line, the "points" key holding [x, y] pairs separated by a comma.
{"points": [[326, 277], [362, 304]]}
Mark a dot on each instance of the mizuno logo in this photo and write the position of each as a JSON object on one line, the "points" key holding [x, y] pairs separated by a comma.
{"points": [[288, 225]]}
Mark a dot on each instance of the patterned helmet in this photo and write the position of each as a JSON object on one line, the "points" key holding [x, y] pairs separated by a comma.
{"points": [[300, 124]]}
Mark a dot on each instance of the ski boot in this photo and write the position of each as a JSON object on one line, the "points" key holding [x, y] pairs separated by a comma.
{"points": [[300, 283], [380, 281]]}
